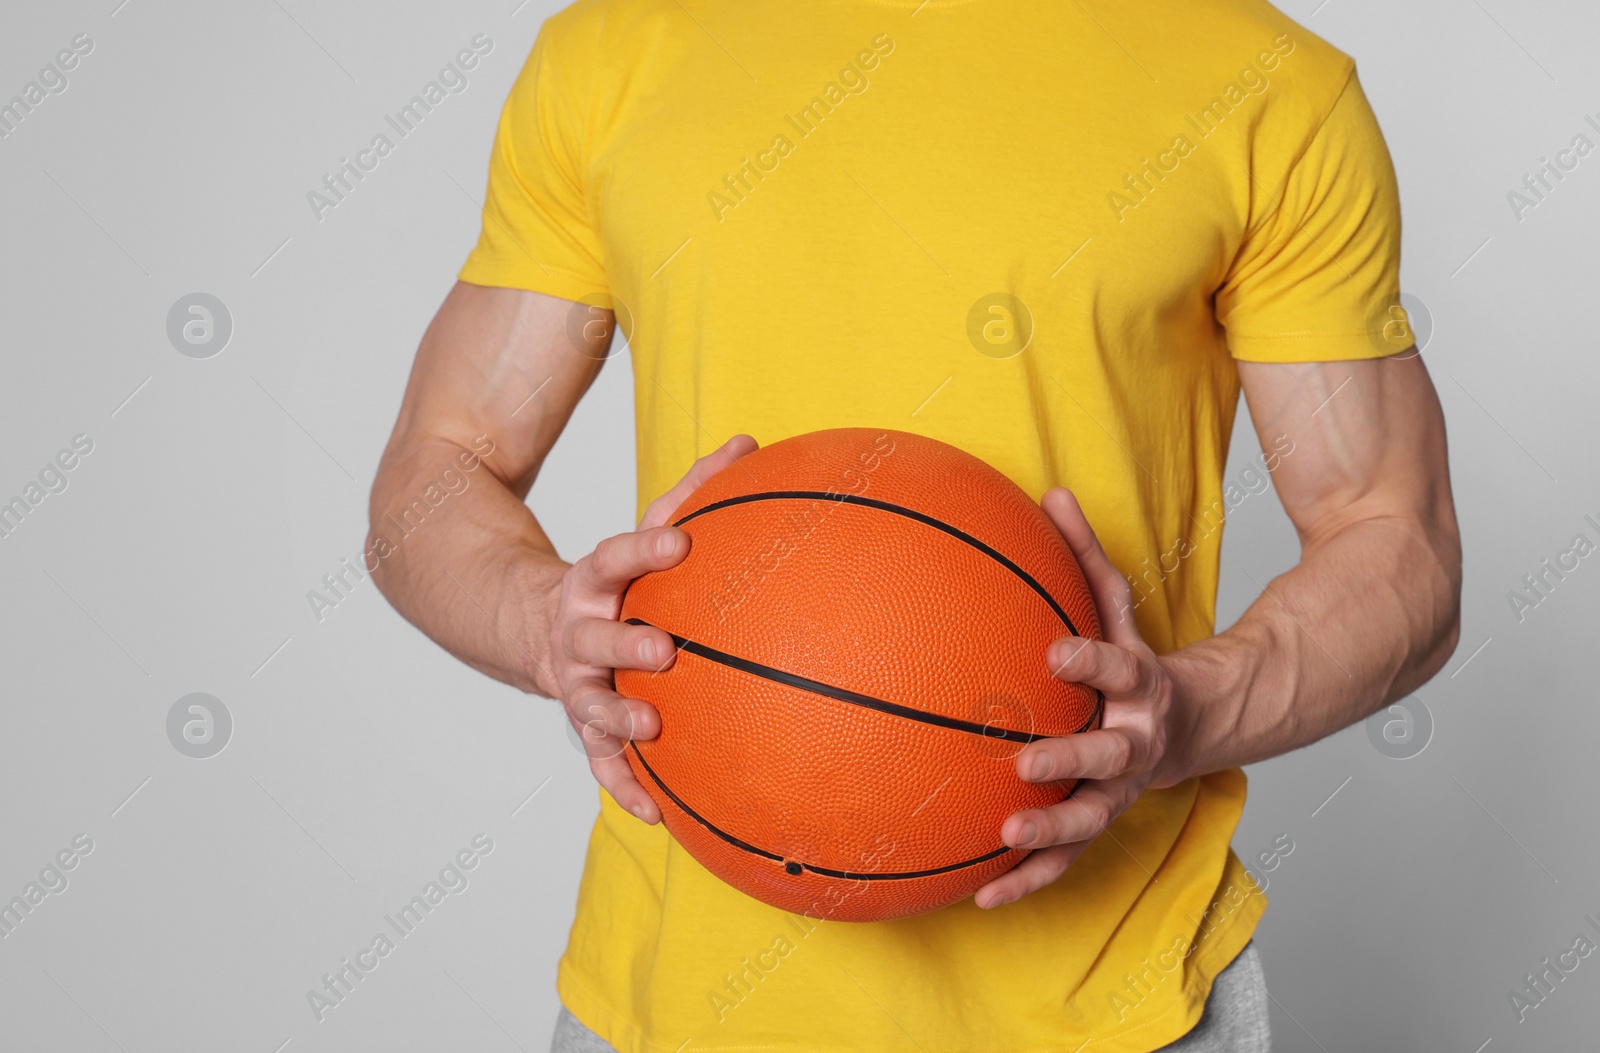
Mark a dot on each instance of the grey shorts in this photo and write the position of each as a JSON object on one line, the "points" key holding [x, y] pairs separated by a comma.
{"points": [[1234, 1021]]}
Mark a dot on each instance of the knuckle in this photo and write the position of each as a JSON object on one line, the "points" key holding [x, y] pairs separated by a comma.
{"points": [[1129, 671], [1069, 756], [1122, 595], [1066, 821], [1157, 749], [590, 568], [657, 509], [616, 652], [567, 593], [592, 643], [1149, 677], [584, 713], [1119, 750], [573, 638], [1162, 702], [568, 648], [588, 704], [622, 647], [1097, 815], [1047, 827], [557, 638]]}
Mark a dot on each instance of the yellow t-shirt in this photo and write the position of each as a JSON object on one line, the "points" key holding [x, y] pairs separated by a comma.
{"points": [[1040, 232]]}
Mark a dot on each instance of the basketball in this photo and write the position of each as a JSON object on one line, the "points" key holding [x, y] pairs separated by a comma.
{"points": [[861, 621]]}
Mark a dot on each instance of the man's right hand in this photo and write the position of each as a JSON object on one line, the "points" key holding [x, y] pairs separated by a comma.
{"points": [[588, 642], [502, 370]]}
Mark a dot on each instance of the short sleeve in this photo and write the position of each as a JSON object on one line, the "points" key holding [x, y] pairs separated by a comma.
{"points": [[538, 233], [1317, 276]]}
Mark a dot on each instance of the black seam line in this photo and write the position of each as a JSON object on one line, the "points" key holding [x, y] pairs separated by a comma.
{"points": [[824, 871], [899, 510], [696, 816], [817, 687], [856, 876]]}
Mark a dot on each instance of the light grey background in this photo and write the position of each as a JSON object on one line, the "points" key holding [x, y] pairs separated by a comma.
{"points": [[362, 759]]}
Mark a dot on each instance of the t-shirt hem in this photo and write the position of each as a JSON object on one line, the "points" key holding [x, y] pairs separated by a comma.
{"points": [[1312, 347], [547, 279], [1171, 1024], [1179, 1018]]}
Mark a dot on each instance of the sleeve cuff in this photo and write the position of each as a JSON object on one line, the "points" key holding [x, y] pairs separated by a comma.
{"points": [[534, 277], [1313, 347]]}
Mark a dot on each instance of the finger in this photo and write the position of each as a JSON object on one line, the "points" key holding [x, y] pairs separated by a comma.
{"points": [[618, 779], [660, 510], [1102, 754], [595, 709], [596, 744], [616, 561], [1030, 875], [1081, 817], [1111, 667], [1112, 594], [610, 644]]}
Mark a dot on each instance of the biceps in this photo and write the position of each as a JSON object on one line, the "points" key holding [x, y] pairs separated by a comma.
{"points": [[1367, 439], [503, 363]]}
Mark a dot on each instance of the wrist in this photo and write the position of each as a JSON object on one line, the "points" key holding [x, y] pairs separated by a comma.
{"points": [[529, 602], [1204, 715], [1176, 762]]}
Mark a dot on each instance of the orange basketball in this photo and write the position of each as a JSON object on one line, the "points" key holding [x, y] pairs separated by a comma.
{"points": [[861, 623]]}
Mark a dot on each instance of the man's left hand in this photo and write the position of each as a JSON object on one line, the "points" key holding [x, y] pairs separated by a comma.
{"points": [[1117, 761]]}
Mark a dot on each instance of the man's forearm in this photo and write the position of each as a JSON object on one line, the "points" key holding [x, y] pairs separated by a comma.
{"points": [[1368, 615], [463, 570]]}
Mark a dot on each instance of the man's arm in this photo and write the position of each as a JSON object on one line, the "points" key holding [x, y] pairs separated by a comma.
{"points": [[478, 575], [1369, 613], [467, 578]]}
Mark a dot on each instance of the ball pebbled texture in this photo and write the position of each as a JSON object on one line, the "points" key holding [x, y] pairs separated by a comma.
{"points": [[862, 620]]}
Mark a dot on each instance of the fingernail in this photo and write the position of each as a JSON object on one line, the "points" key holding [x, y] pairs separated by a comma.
{"points": [[666, 543], [1026, 835], [638, 810], [999, 899], [1040, 765], [647, 651]]}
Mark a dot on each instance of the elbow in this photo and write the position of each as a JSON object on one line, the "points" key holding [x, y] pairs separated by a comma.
{"points": [[1431, 657], [377, 548], [1444, 631], [1435, 641], [1449, 638], [376, 551]]}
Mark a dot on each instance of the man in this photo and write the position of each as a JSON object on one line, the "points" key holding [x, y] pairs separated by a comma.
{"points": [[1061, 237]]}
